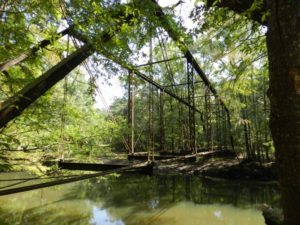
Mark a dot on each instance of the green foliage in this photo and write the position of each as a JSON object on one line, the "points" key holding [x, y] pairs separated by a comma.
{"points": [[233, 52], [65, 123], [5, 167]]}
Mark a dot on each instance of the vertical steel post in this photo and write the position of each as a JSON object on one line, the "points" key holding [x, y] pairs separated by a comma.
{"points": [[229, 128], [161, 119], [225, 129], [130, 110], [218, 124], [207, 117], [172, 129], [151, 111], [191, 101]]}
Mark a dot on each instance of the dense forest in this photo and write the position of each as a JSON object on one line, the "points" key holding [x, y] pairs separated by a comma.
{"points": [[166, 106]]}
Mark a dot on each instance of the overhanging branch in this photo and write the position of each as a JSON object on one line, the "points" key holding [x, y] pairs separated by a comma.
{"points": [[16, 104], [241, 7], [23, 56]]}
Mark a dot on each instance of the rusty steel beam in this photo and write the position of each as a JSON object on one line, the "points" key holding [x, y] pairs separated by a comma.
{"points": [[160, 61], [15, 105], [170, 27], [183, 84], [23, 56], [176, 36], [84, 39], [191, 101], [161, 122], [160, 87]]}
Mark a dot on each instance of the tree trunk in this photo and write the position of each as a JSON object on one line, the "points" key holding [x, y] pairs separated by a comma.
{"points": [[283, 42]]}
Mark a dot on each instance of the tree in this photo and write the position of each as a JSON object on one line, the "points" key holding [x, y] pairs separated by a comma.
{"points": [[283, 44], [235, 59], [283, 41]]}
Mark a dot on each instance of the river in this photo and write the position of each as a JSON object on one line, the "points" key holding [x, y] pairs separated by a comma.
{"points": [[139, 200]]}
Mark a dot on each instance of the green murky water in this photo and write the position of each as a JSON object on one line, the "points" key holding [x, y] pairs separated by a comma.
{"points": [[140, 200]]}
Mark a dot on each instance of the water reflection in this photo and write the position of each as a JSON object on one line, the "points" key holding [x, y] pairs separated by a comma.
{"points": [[102, 217], [133, 199]]}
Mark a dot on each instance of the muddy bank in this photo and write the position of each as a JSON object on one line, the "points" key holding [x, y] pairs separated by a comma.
{"points": [[222, 168]]}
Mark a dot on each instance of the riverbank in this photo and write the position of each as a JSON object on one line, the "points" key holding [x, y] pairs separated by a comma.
{"points": [[138, 199], [229, 169], [225, 168], [221, 168]]}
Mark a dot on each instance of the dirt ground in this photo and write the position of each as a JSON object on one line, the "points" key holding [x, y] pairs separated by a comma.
{"points": [[226, 168]]}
